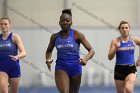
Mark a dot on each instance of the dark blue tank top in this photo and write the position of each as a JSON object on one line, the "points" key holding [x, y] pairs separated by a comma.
{"points": [[125, 53], [67, 49], [7, 47]]}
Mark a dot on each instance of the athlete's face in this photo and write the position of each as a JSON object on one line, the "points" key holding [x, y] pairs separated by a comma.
{"points": [[5, 25], [65, 22], [124, 30]]}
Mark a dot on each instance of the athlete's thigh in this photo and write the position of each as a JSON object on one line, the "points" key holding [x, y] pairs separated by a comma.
{"points": [[3, 77], [75, 82], [14, 84], [130, 81], [3, 81], [62, 80]]}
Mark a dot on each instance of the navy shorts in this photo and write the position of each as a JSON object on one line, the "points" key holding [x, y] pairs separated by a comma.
{"points": [[122, 71], [11, 68], [71, 70]]}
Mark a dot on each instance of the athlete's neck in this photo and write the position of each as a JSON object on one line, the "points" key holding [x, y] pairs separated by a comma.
{"points": [[5, 35], [124, 39], [65, 32]]}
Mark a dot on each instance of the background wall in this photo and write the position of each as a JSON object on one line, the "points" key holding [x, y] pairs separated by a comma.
{"points": [[87, 13]]}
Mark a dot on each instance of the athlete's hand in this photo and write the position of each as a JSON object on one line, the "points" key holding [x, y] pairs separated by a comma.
{"points": [[138, 62], [49, 62], [83, 61], [117, 45], [14, 58]]}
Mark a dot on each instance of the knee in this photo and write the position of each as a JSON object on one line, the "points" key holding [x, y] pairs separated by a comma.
{"points": [[129, 90], [120, 91], [3, 88], [4, 92], [64, 91], [74, 92]]}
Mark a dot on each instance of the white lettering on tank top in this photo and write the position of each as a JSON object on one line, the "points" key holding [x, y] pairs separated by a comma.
{"points": [[65, 46]]}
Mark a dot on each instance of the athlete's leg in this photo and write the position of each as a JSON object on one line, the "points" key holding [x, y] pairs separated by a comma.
{"points": [[75, 82], [62, 81], [14, 85], [130, 83], [120, 86], [3, 82]]}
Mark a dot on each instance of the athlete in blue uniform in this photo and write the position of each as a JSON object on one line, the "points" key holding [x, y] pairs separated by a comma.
{"points": [[68, 68], [125, 69], [10, 43]]}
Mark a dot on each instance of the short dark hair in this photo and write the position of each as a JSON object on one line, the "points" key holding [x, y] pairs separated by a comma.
{"points": [[67, 11], [123, 22]]}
